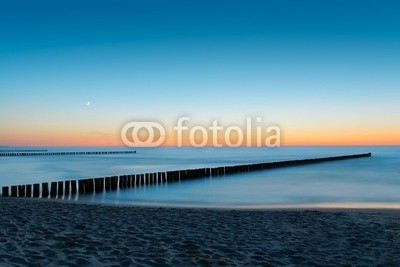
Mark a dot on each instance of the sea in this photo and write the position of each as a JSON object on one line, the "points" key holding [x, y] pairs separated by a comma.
{"points": [[372, 182]]}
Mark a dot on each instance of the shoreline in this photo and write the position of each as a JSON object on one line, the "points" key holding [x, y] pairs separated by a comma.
{"points": [[52, 233], [345, 206]]}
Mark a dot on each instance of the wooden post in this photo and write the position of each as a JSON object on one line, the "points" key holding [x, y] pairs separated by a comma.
{"points": [[14, 191], [36, 190], [121, 182], [172, 175], [125, 185], [184, 174], [81, 184], [5, 192], [108, 183], [45, 190], [21, 191], [53, 189], [28, 192], [134, 178], [60, 191], [114, 182], [133, 181], [128, 181], [73, 187], [67, 188], [99, 185], [142, 176], [89, 186], [211, 172]]}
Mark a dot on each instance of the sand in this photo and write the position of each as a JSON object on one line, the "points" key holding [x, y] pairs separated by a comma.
{"points": [[41, 232]]}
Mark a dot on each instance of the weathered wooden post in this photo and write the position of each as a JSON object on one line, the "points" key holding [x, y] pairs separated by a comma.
{"points": [[171, 176], [120, 181], [142, 176], [14, 191], [99, 185], [28, 192], [60, 191], [89, 186], [184, 174], [114, 182], [108, 183], [150, 178], [67, 188], [138, 180], [5, 192], [214, 171], [21, 191], [126, 181], [53, 189], [134, 180], [81, 185], [102, 184], [36, 190], [45, 190], [73, 187], [129, 181]]}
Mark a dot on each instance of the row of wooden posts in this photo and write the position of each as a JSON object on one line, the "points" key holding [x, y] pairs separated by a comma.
{"points": [[105, 184], [31, 153], [22, 150]]}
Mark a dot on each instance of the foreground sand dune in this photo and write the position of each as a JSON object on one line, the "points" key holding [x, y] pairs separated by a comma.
{"points": [[57, 233]]}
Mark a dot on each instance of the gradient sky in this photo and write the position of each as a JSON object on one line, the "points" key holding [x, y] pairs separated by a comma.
{"points": [[326, 72]]}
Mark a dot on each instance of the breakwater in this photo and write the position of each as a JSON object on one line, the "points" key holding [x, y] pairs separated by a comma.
{"points": [[67, 188], [22, 150], [19, 153]]}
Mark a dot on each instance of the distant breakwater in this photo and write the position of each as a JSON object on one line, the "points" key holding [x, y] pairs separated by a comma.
{"points": [[22, 150], [64, 189], [41, 153]]}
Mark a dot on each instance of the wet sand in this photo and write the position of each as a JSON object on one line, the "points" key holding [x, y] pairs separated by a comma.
{"points": [[40, 232]]}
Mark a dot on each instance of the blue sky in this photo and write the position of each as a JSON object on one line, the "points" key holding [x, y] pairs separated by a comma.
{"points": [[312, 67]]}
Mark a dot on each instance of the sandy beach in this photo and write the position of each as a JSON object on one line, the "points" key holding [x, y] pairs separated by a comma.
{"points": [[57, 233]]}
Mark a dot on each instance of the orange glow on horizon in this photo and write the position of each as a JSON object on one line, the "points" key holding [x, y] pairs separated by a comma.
{"points": [[312, 137]]}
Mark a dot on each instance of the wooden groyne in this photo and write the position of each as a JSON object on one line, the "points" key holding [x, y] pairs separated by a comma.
{"points": [[16, 154], [64, 189], [22, 150]]}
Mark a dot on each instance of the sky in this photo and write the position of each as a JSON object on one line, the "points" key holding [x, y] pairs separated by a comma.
{"points": [[74, 72]]}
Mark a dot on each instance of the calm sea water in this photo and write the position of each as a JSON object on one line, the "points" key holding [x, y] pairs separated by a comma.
{"points": [[365, 182]]}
